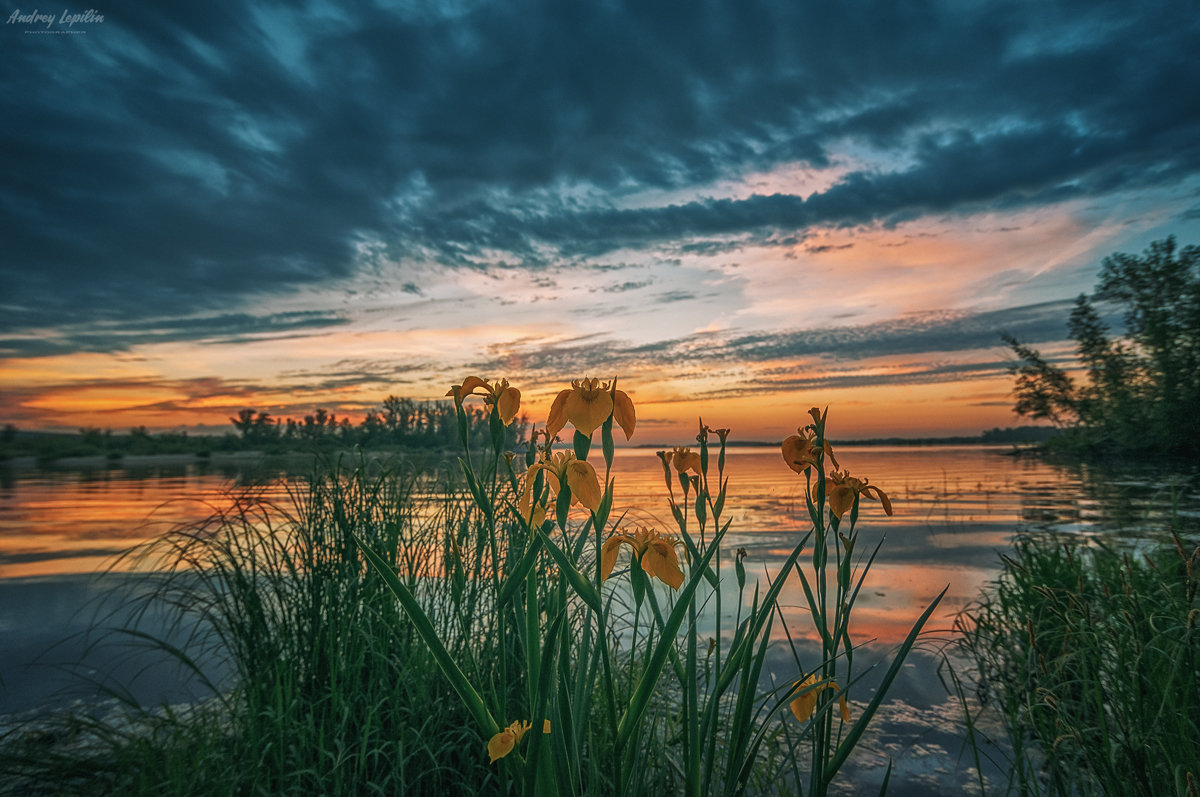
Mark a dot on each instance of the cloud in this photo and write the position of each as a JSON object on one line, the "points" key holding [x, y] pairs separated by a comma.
{"points": [[914, 334], [964, 345], [290, 394], [118, 336], [628, 285], [902, 375], [191, 160]]}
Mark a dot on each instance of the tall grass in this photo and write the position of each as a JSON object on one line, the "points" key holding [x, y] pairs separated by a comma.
{"points": [[331, 695], [1092, 657], [685, 710], [497, 627]]}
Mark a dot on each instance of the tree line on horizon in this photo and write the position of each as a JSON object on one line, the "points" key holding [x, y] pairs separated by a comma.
{"points": [[1136, 393], [398, 421]]}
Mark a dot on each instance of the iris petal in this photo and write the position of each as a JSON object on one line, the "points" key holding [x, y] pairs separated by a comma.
{"points": [[588, 410], [660, 560], [623, 412], [471, 384], [685, 459], [802, 707], [558, 413], [841, 498], [881, 495], [501, 745], [585, 485], [608, 554], [797, 453], [509, 403]]}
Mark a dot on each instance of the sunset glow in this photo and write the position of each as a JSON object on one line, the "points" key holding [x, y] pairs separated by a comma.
{"points": [[738, 218]]}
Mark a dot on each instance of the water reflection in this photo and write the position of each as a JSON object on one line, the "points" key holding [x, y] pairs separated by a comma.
{"points": [[956, 509], [57, 522]]}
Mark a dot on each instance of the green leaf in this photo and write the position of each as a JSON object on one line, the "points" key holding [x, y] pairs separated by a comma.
{"points": [[583, 588], [582, 443], [496, 427], [637, 578], [546, 684], [860, 725], [517, 576], [678, 518], [477, 493], [666, 643], [466, 692], [694, 555], [562, 504], [741, 648], [602, 511], [606, 442]]}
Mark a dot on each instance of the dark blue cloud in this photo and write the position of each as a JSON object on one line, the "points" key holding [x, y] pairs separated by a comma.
{"points": [[117, 336], [189, 159], [752, 358]]}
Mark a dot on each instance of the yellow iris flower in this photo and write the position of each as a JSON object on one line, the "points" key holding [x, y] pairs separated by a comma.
{"points": [[587, 404], [506, 399], [842, 488], [502, 743], [684, 459], [804, 705], [538, 516], [562, 467], [800, 451], [655, 552]]}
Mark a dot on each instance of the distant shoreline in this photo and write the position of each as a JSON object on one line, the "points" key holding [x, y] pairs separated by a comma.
{"points": [[219, 459], [881, 441], [224, 459], [985, 439]]}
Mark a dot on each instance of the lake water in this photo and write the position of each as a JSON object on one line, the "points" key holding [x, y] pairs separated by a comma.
{"points": [[956, 509]]}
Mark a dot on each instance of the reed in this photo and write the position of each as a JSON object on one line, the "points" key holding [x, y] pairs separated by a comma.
{"points": [[1091, 657], [331, 695], [682, 709], [498, 627]]}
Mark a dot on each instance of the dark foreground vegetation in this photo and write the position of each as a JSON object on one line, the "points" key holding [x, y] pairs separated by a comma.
{"points": [[1141, 389], [333, 693], [399, 631], [1091, 657]]}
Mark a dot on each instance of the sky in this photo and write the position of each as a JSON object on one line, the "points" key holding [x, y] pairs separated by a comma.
{"points": [[738, 209]]}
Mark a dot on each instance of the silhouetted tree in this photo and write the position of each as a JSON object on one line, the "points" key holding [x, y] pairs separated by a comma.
{"points": [[256, 427], [400, 422], [1143, 388], [1043, 390]]}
